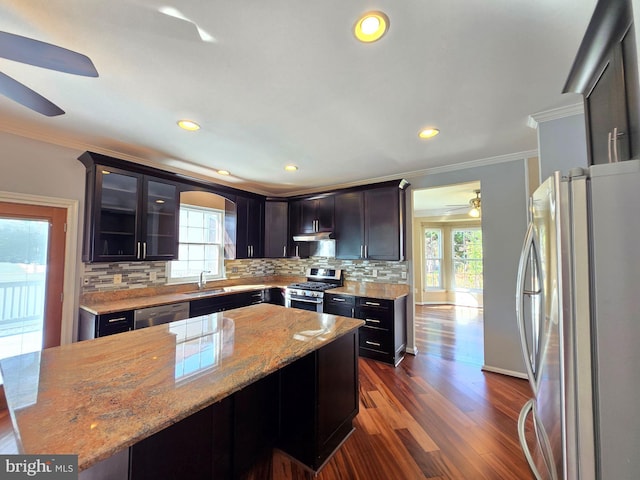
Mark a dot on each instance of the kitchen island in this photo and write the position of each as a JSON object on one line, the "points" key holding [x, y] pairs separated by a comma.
{"points": [[103, 397]]}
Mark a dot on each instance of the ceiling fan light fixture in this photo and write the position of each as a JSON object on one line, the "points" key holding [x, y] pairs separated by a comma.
{"points": [[188, 125], [475, 205], [226, 173], [291, 168], [371, 27], [428, 133]]}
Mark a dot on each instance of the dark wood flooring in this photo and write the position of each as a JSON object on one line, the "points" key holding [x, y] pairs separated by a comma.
{"points": [[436, 416]]}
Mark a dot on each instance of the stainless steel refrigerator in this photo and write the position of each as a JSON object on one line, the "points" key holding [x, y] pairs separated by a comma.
{"points": [[578, 311]]}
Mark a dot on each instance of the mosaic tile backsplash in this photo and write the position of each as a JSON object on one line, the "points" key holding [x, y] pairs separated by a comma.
{"points": [[123, 276]]}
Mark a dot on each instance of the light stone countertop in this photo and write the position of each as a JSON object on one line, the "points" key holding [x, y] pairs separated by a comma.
{"points": [[97, 397], [108, 302]]}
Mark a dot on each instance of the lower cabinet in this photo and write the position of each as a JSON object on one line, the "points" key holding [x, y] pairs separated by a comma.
{"points": [[384, 335], [195, 448], [318, 401], [94, 326], [220, 303]]}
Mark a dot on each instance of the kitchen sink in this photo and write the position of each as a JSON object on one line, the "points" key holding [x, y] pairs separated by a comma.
{"points": [[205, 293]]}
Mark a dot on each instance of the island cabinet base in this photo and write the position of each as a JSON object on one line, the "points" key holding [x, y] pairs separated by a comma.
{"points": [[305, 409], [318, 401]]}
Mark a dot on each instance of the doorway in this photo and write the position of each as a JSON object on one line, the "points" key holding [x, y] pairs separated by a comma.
{"points": [[32, 262], [448, 271]]}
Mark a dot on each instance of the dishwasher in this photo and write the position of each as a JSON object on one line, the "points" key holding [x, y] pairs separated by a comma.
{"points": [[148, 317]]}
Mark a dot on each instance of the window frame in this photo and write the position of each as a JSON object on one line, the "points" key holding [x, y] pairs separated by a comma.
{"points": [[426, 259], [172, 264], [468, 261]]}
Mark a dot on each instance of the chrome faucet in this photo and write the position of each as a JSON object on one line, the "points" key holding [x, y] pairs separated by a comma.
{"points": [[203, 278]]}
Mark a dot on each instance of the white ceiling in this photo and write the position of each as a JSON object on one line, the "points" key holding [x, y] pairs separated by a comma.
{"points": [[284, 81]]}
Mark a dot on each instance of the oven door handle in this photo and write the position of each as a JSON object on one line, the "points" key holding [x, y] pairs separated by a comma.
{"points": [[297, 299]]}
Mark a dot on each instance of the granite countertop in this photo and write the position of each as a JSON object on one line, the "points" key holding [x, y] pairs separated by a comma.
{"points": [[383, 291], [101, 303], [97, 397]]}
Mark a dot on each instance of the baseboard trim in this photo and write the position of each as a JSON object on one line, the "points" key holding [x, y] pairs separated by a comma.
{"points": [[502, 371], [411, 350]]}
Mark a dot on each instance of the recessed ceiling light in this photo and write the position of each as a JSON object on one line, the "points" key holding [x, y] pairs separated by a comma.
{"points": [[428, 132], [291, 168], [188, 125], [224, 172], [371, 27]]}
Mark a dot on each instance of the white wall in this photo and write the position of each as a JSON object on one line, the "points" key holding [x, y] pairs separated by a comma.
{"points": [[562, 144], [37, 168], [504, 222]]}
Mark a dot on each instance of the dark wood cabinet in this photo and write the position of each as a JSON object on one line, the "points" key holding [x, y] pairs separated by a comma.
{"points": [[336, 304], [255, 421], [250, 227], [605, 72], [316, 215], [276, 233], [198, 447], [94, 326], [318, 401], [220, 303], [384, 335], [296, 249], [370, 224], [128, 216]]}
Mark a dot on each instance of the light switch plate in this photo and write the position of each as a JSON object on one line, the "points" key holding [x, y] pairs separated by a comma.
{"points": [[117, 278]]}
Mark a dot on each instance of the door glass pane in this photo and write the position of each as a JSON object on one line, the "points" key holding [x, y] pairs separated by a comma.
{"points": [[23, 263]]}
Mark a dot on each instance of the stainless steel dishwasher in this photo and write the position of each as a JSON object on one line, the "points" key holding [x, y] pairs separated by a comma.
{"points": [[148, 317]]}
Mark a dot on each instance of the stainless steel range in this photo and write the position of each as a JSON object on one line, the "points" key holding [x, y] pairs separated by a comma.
{"points": [[309, 295]]}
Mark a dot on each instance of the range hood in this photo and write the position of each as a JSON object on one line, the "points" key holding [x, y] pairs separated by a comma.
{"points": [[313, 237]]}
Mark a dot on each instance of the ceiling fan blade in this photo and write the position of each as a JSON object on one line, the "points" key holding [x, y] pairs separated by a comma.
{"points": [[24, 95], [45, 55]]}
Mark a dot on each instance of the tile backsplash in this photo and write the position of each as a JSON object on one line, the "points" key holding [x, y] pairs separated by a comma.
{"points": [[104, 276]]}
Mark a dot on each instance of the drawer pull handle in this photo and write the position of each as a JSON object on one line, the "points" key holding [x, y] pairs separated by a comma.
{"points": [[375, 304], [371, 320], [119, 319], [372, 343], [338, 299]]}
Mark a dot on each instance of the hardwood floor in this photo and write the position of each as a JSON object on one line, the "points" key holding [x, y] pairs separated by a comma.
{"points": [[436, 416], [452, 332]]}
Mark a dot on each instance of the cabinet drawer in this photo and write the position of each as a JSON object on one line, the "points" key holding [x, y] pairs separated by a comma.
{"points": [[376, 313], [335, 299], [376, 340], [375, 304], [115, 322]]}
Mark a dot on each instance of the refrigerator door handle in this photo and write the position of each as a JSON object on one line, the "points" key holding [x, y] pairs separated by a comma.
{"points": [[520, 293], [522, 418]]}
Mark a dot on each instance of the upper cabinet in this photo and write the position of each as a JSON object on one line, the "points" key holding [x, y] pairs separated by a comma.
{"points": [[605, 72], [276, 238], [128, 216], [250, 227], [370, 224], [315, 215]]}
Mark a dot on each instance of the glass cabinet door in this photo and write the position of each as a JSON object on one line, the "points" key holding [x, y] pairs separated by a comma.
{"points": [[116, 230], [160, 221]]}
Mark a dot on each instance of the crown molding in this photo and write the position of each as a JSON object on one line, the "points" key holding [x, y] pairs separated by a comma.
{"points": [[59, 140], [554, 114]]}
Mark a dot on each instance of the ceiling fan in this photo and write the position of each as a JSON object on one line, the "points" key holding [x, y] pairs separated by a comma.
{"points": [[475, 204], [40, 54]]}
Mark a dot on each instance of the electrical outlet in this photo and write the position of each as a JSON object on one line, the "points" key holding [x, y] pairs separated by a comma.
{"points": [[375, 272], [234, 269], [117, 278], [153, 276], [403, 275]]}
